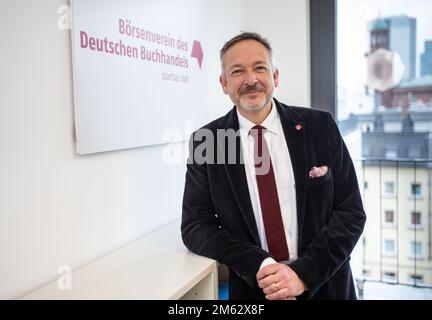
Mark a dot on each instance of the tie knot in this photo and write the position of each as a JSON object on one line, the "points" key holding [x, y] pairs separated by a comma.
{"points": [[257, 131]]}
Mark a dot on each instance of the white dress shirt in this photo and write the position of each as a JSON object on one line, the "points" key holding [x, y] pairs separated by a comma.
{"points": [[284, 176]]}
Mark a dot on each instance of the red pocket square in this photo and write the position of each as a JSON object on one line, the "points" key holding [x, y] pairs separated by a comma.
{"points": [[317, 172]]}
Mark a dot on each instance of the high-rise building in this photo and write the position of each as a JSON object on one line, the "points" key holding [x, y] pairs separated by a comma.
{"points": [[403, 31], [426, 59]]}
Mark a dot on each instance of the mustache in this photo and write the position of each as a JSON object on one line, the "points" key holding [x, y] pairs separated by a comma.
{"points": [[251, 89]]}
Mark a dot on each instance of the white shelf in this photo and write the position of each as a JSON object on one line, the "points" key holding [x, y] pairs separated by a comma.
{"points": [[155, 267]]}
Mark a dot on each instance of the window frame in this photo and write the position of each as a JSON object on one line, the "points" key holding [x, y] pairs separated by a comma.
{"points": [[384, 220], [323, 58], [412, 276], [389, 194], [414, 255], [415, 225], [415, 195], [388, 253], [389, 276]]}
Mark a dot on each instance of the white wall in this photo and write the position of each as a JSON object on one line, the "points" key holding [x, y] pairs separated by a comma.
{"points": [[223, 23], [286, 25], [57, 207], [60, 208]]}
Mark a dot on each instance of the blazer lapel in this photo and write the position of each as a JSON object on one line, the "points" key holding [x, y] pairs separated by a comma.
{"points": [[295, 135], [237, 176]]}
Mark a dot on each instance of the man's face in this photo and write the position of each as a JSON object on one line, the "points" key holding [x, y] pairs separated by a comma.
{"points": [[248, 76]]}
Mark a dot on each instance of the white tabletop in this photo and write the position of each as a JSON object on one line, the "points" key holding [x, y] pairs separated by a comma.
{"points": [[157, 266]]}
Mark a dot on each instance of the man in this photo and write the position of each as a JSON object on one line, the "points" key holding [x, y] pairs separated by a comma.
{"points": [[286, 214]]}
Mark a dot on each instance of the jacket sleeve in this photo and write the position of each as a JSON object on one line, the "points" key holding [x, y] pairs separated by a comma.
{"points": [[202, 232], [333, 244]]}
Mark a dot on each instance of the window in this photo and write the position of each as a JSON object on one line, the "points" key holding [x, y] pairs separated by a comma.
{"points": [[415, 278], [414, 151], [389, 189], [391, 126], [389, 217], [365, 185], [416, 249], [391, 152], [416, 219], [389, 247], [416, 190], [389, 276], [389, 121]]}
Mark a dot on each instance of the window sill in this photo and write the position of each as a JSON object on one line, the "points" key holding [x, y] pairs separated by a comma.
{"points": [[415, 198], [415, 227], [418, 258]]}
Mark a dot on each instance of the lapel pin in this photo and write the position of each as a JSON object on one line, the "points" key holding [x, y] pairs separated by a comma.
{"points": [[298, 127]]}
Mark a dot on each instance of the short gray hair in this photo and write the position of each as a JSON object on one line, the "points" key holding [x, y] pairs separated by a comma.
{"points": [[246, 36]]}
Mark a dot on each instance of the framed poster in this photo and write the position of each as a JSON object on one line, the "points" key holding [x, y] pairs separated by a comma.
{"points": [[138, 71]]}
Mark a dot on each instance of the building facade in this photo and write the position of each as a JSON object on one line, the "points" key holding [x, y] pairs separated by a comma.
{"points": [[426, 59], [397, 177]]}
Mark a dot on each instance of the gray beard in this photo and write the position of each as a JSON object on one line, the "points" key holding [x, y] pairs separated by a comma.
{"points": [[255, 109]]}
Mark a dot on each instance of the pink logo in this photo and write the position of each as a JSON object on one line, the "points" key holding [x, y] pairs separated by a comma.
{"points": [[197, 52]]}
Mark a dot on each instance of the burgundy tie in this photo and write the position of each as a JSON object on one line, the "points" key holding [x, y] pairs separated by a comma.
{"points": [[269, 199]]}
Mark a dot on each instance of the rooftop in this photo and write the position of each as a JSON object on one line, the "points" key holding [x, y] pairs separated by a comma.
{"points": [[406, 144], [425, 81], [379, 24]]}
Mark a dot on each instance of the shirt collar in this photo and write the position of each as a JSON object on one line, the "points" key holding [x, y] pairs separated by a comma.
{"points": [[270, 123]]}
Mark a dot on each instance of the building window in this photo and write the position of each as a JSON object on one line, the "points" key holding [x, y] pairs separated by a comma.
{"points": [[389, 247], [391, 152], [415, 190], [415, 278], [414, 151], [399, 34], [389, 189], [415, 219], [389, 217], [416, 249], [365, 186], [389, 276]]}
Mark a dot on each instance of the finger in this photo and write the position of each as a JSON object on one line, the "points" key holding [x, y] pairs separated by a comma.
{"points": [[267, 281], [278, 295], [271, 289], [267, 270]]}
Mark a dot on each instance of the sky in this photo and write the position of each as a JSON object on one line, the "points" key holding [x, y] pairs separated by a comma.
{"points": [[353, 36]]}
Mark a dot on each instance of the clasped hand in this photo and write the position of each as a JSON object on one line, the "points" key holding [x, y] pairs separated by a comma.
{"points": [[279, 282]]}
